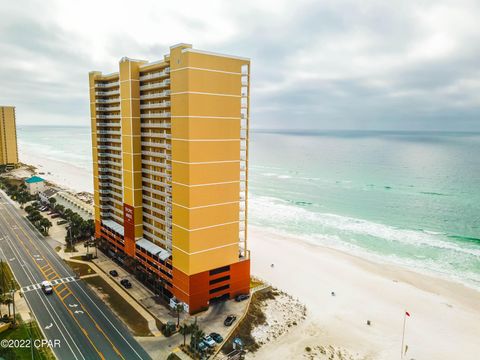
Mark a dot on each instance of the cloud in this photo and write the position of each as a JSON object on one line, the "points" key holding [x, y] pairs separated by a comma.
{"points": [[331, 64]]}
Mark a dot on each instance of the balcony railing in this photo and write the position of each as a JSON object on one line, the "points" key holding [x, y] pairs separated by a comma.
{"points": [[106, 85], [155, 95], [156, 135], [157, 85], [107, 93], [110, 124], [108, 101], [156, 125], [111, 108], [109, 116], [163, 114], [155, 105], [156, 75], [154, 144]]}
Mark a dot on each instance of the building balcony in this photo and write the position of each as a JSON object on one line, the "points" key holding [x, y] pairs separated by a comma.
{"points": [[109, 140], [162, 125], [156, 75], [156, 163], [165, 93], [107, 93], [109, 116], [108, 147], [111, 108], [110, 155], [156, 135], [108, 101], [107, 85], [154, 144], [109, 132], [162, 114], [157, 173], [168, 188], [157, 85], [109, 124], [155, 105]]}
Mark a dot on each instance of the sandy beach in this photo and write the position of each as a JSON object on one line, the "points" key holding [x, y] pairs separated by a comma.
{"points": [[67, 175], [445, 316]]}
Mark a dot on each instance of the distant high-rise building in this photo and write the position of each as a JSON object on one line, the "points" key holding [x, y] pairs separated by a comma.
{"points": [[170, 150], [8, 136]]}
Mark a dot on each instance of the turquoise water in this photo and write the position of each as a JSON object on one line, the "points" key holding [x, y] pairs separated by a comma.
{"points": [[395, 197]]}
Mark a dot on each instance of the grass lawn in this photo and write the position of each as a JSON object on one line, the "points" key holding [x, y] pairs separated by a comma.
{"points": [[25, 331], [80, 269], [135, 322]]}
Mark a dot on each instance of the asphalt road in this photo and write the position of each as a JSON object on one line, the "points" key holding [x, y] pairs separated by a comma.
{"points": [[83, 326]]}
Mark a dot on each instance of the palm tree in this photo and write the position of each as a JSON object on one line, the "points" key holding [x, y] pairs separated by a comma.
{"points": [[178, 309], [184, 329], [45, 224], [52, 202]]}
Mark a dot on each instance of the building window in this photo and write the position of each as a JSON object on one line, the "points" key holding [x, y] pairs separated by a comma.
{"points": [[220, 270], [216, 281], [224, 287]]}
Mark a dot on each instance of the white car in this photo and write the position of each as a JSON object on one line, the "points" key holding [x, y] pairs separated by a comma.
{"points": [[209, 341], [47, 287]]}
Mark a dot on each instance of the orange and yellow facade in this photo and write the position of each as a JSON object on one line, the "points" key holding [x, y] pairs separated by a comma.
{"points": [[8, 136], [170, 150]]}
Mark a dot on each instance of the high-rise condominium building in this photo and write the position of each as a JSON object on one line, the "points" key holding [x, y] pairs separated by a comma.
{"points": [[170, 150], [8, 136]]}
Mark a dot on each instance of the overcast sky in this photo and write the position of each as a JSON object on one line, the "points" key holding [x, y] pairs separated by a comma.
{"points": [[328, 64]]}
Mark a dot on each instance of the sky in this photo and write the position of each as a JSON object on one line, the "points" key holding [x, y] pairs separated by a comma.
{"points": [[329, 64]]}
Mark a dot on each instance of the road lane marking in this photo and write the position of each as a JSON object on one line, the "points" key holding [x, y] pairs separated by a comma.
{"points": [[30, 277], [16, 218], [61, 299], [48, 326]]}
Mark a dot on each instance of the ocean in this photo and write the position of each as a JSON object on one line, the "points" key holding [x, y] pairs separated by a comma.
{"points": [[405, 198]]}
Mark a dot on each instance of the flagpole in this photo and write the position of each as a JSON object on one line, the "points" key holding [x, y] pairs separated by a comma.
{"points": [[403, 335]]}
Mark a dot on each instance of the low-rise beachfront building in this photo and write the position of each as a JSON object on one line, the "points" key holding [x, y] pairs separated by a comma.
{"points": [[170, 144], [46, 194], [70, 201], [8, 136], [35, 185]]}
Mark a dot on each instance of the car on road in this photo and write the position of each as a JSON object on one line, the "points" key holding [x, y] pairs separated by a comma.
{"points": [[126, 283], [217, 337], [241, 297], [46, 287], [114, 273], [229, 320], [209, 341]]}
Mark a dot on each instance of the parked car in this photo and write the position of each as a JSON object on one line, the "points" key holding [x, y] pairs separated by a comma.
{"points": [[54, 216], [229, 320], [209, 341], [114, 273], [61, 222], [241, 297], [217, 337], [202, 346], [47, 287], [126, 283]]}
